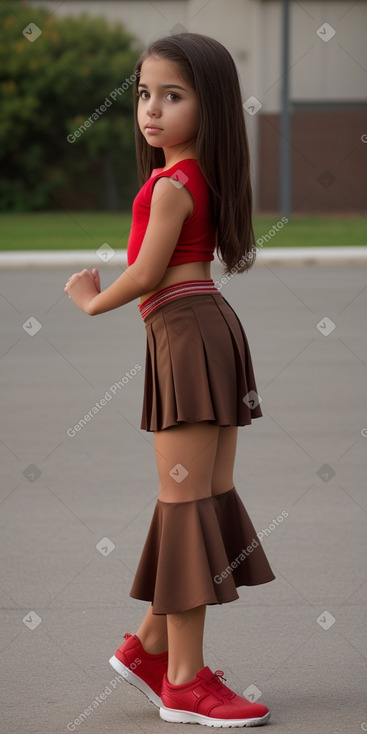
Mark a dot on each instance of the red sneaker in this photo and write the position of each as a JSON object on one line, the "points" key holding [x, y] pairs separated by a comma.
{"points": [[206, 700], [140, 668]]}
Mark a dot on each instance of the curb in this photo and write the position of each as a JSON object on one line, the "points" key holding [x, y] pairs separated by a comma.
{"points": [[272, 255], [312, 255]]}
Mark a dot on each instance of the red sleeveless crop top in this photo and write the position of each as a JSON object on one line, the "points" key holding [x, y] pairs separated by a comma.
{"points": [[197, 238]]}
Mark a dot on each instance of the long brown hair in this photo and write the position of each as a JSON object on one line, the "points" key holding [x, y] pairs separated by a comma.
{"points": [[221, 146]]}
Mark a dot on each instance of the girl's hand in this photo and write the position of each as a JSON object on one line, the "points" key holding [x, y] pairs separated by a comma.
{"points": [[83, 287], [97, 280]]}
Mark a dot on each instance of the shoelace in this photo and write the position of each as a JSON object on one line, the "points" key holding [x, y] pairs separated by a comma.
{"points": [[220, 674], [220, 688]]}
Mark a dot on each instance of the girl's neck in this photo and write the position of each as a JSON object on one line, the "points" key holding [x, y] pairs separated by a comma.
{"points": [[172, 157]]}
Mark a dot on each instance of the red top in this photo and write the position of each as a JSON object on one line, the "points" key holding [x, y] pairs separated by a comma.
{"points": [[198, 234]]}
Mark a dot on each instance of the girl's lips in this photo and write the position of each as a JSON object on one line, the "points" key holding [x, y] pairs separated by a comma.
{"points": [[152, 129]]}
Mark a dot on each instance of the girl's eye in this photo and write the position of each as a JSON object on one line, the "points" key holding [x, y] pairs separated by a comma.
{"points": [[172, 94], [173, 97]]}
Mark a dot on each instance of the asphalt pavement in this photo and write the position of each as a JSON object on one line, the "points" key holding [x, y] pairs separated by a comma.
{"points": [[79, 486]]}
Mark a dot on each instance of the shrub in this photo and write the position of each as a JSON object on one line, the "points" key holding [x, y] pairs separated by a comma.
{"points": [[52, 85]]}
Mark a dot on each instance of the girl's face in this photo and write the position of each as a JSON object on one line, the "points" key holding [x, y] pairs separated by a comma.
{"points": [[168, 108]]}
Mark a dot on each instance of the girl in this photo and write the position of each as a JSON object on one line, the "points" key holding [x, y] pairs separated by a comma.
{"points": [[193, 162]]}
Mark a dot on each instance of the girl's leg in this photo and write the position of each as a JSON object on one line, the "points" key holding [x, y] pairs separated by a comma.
{"points": [[222, 479], [152, 632], [185, 645], [185, 456]]}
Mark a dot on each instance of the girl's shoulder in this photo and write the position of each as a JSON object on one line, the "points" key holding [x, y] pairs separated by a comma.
{"points": [[186, 172], [186, 164]]}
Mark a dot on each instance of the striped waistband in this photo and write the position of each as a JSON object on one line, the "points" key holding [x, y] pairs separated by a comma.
{"points": [[188, 287]]}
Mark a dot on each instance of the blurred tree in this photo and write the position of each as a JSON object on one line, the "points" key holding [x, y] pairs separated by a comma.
{"points": [[58, 147]]}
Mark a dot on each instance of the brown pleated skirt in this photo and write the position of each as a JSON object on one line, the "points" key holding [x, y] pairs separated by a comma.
{"points": [[199, 552], [198, 365]]}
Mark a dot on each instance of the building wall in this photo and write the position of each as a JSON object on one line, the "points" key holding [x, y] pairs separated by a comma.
{"points": [[328, 160], [330, 74], [328, 109]]}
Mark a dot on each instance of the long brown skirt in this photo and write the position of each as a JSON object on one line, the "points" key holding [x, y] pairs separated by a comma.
{"points": [[198, 552], [198, 368], [198, 365]]}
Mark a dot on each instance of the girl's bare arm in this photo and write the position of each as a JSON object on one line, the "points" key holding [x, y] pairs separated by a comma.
{"points": [[169, 208]]}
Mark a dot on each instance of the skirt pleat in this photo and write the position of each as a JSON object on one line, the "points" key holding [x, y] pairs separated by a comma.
{"points": [[198, 365]]}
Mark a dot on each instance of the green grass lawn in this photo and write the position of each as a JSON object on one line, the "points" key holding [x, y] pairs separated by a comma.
{"points": [[90, 230]]}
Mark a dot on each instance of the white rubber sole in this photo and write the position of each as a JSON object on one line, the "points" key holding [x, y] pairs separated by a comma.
{"points": [[134, 680], [189, 717]]}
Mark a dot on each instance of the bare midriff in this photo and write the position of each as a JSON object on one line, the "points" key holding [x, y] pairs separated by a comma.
{"points": [[179, 274]]}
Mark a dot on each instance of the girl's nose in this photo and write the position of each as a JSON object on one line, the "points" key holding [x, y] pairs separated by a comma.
{"points": [[153, 108]]}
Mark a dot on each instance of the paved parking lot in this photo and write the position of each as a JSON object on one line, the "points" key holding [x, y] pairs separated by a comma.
{"points": [[77, 496]]}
